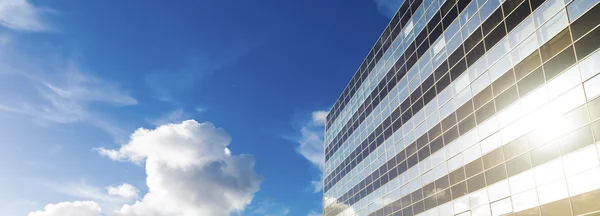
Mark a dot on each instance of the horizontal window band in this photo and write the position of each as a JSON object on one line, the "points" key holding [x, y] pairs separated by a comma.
{"points": [[381, 46], [503, 98], [392, 77], [442, 77]]}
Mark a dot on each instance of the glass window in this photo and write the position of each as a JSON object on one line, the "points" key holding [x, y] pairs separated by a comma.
{"points": [[527, 65], [408, 28], [468, 12], [480, 83], [498, 191], [471, 26], [544, 154], [452, 29], [475, 54], [419, 26], [561, 207], [475, 166], [454, 43], [467, 124], [507, 116], [564, 82], [485, 112], [521, 32], [522, 182], [588, 44], [496, 35], [584, 182], [525, 200], [531, 82], [502, 207], [559, 63], [418, 13], [500, 68], [525, 49], [590, 66], [495, 174], [581, 160], [492, 21], [491, 143], [585, 203], [553, 27], [517, 16], [556, 44], [439, 59], [506, 98], [503, 82], [483, 97], [552, 192], [439, 45], [431, 10], [587, 22], [488, 8], [464, 111], [518, 164], [546, 11], [461, 205], [592, 87]]}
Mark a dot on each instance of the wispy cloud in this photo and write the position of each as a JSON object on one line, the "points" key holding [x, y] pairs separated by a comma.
{"points": [[22, 16], [49, 88], [312, 145], [388, 8], [267, 208], [83, 190]]}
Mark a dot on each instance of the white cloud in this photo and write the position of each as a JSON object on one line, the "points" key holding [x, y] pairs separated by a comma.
{"points": [[312, 144], [318, 117], [77, 208], [124, 190], [188, 171], [21, 15]]}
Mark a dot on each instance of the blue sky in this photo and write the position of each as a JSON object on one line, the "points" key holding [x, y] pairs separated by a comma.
{"points": [[192, 108]]}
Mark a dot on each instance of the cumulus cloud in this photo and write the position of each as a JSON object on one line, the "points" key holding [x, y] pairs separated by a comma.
{"points": [[312, 145], [124, 190], [22, 15], [189, 171], [77, 208]]}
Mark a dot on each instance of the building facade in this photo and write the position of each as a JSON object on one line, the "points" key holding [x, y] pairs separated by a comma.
{"points": [[471, 107]]}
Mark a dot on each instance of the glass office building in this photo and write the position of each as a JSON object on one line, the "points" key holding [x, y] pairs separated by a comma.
{"points": [[472, 107]]}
